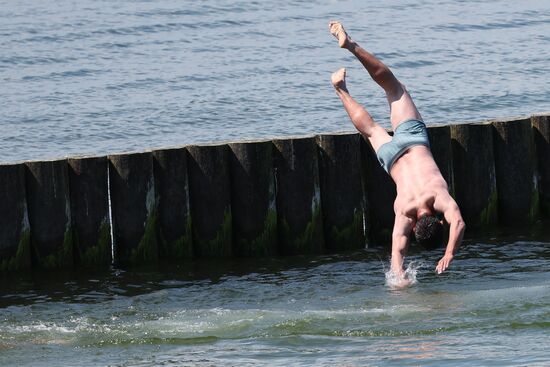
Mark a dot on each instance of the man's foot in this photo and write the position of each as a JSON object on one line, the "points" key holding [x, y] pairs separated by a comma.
{"points": [[338, 31], [338, 79]]}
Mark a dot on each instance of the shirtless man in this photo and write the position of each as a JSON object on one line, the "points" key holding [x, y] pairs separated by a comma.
{"points": [[421, 189]]}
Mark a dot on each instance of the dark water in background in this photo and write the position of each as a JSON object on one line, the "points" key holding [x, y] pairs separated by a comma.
{"points": [[491, 309], [96, 77]]}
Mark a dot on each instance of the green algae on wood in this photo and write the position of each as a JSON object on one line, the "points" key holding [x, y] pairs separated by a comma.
{"points": [[221, 244], [100, 253], [309, 241], [22, 258], [263, 245], [147, 250], [489, 215], [181, 247], [62, 257], [348, 237]]}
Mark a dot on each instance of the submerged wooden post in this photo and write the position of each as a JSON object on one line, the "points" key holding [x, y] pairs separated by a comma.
{"points": [[342, 191], [49, 209], [381, 193], [210, 194], [133, 206], [299, 216], [90, 210], [15, 247], [474, 179], [440, 145], [253, 200], [515, 170], [174, 216], [541, 130]]}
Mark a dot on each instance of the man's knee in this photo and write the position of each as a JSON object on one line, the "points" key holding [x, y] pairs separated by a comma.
{"points": [[363, 121], [395, 91]]}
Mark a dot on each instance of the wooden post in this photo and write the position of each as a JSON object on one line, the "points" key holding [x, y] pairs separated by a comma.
{"points": [[299, 215], [342, 191], [133, 205], [515, 169], [170, 166], [253, 199], [15, 248], [440, 145], [90, 210], [474, 179], [210, 196], [50, 213], [541, 130], [381, 193]]}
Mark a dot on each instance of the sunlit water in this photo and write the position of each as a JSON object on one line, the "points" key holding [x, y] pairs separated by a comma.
{"points": [[491, 308], [100, 77]]}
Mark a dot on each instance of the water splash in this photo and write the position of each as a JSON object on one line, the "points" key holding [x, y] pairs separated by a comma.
{"points": [[407, 279]]}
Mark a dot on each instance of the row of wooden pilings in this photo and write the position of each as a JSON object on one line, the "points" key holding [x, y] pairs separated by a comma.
{"points": [[280, 197]]}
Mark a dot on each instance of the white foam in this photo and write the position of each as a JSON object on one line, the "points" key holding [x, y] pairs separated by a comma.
{"points": [[407, 279]]}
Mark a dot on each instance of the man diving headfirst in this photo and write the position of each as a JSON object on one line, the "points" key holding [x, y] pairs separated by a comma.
{"points": [[421, 189]]}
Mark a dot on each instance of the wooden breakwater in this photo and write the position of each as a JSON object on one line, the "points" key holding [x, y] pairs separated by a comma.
{"points": [[298, 195]]}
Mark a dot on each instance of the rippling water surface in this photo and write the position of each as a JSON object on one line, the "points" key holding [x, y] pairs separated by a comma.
{"points": [[97, 77], [492, 308]]}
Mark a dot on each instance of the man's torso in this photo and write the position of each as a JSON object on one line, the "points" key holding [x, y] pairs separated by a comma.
{"points": [[418, 181]]}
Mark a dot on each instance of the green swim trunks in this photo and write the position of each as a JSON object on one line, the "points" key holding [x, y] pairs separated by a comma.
{"points": [[407, 134]]}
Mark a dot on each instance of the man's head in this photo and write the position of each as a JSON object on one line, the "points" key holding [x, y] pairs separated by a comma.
{"points": [[429, 231]]}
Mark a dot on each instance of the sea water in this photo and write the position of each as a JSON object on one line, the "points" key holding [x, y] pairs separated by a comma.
{"points": [[491, 308], [99, 77]]}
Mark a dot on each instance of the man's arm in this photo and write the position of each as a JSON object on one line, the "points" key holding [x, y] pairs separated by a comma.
{"points": [[450, 210], [400, 241]]}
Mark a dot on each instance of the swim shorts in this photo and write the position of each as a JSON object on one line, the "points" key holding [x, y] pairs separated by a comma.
{"points": [[407, 134]]}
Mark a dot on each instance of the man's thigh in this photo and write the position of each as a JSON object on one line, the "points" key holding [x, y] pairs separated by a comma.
{"points": [[378, 137], [402, 108]]}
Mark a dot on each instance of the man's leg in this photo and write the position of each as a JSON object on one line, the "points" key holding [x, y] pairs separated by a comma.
{"points": [[361, 119], [401, 105]]}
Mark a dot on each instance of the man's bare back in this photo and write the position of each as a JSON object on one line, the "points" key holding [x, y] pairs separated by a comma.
{"points": [[421, 189]]}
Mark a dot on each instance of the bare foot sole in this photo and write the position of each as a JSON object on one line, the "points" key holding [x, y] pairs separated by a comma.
{"points": [[338, 31], [338, 79]]}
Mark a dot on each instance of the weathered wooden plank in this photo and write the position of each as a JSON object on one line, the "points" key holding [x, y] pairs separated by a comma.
{"points": [[299, 215], [90, 210], [15, 247], [210, 197], [132, 190], [342, 191], [49, 209], [174, 215], [253, 199]]}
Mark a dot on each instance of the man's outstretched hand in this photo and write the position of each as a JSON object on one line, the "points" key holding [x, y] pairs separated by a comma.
{"points": [[443, 264]]}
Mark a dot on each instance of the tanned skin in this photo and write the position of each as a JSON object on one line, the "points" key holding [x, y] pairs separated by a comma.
{"points": [[421, 189]]}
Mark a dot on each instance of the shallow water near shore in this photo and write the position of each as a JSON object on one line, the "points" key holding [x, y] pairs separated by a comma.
{"points": [[491, 308], [97, 77]]}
